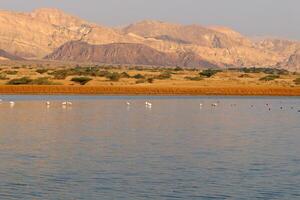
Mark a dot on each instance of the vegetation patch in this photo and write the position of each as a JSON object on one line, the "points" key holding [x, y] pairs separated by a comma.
{"points": [[297, 81], [209, 72], [11, 72], [81, 80], [42, 71], [3, 77], [20, 81], [29, 81], [195, 78], [269, 78], [138, 76], [43, 81], [261, 70], [114, 76], [163, 76]]}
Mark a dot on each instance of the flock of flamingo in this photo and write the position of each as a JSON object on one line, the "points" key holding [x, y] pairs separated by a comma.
{"points": [[147, 104]]}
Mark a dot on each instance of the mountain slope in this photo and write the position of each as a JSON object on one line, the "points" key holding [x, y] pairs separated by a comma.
{"points": [[191, 34], [38, 33], [8, 56], [123, 53], [41, 32], [292, 63]]}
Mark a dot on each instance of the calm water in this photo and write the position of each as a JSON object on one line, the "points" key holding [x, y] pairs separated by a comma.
{"points": [[102, 149]]}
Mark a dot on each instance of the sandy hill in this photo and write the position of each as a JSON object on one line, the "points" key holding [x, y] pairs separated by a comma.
{"points": [[41, 32]]}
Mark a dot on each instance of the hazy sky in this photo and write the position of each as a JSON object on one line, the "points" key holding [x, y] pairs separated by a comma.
{"points": [[250, 17]]}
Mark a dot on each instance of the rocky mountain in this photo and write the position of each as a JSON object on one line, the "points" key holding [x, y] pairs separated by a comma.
{"points": [[48, 31], [124, 53], [8, 56], [292, 63]]}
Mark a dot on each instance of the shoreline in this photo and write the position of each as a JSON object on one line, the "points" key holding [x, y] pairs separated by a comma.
{"points": [[150, 90]]}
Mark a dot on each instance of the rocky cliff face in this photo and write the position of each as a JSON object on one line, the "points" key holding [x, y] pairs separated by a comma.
{"points": [[292, 63], [124, 53], [39, 33]]}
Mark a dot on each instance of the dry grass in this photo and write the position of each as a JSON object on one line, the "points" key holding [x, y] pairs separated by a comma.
{"points": [[150, 90], [223, 83]]}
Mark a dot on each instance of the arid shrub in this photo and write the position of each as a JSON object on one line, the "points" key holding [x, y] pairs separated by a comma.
{"points": [[43, 81], [196, 78], [164, 75], [115, 76], [125, 75], [3, 77], [42, 71], [150, 80], [81, 80], [139, 76], [20, 81], [209, 73], [297, 81], [269, 78], [178, 69], [28, 81], [10, 72]]}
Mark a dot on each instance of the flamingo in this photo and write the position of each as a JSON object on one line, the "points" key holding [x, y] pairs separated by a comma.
{"points": [[12, 103]]}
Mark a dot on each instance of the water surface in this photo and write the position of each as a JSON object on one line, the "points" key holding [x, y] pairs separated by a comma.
{"points": [[100, 148]]}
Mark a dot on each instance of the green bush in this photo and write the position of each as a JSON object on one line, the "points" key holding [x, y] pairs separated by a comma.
{"points": [[28, 81], [3, 77], [209, 72], [178, 69], [297, 81], [164, 75], [60, 74], [42, 71], [261, 70], [9, 72], [115, 76], [139, 76], [245, 76], [42, 81], [196, 78], [150, 80], [81, 80], [125, 75], [20, 81], [269, 78]]}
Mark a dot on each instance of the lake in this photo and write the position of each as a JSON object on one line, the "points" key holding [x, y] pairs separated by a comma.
{"points": [[101, 148]]}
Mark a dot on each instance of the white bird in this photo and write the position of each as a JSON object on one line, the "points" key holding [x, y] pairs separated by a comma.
{"points": [[201, 104], [48, 103], [64, 103], [69, 103], [12, 104], [128, 103]]}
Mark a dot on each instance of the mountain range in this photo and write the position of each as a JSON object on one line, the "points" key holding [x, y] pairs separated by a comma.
{"points": [[55, 35]]}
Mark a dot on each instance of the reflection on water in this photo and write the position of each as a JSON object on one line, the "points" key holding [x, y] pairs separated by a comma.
{"points": [[102, 148]]}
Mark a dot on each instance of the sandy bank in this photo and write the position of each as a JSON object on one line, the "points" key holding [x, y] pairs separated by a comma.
{"points": [[148, 90]]}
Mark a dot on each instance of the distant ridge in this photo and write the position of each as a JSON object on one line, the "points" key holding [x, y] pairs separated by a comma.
{"points": [[123, 53], [8, 56], [43, 31]]}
